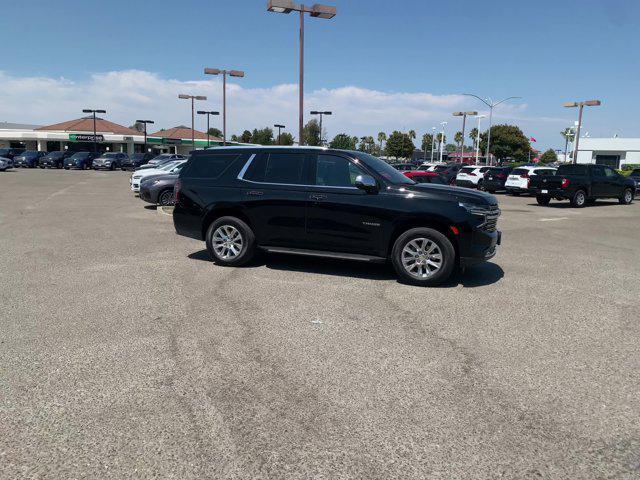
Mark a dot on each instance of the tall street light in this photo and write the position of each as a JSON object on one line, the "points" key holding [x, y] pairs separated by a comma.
{"points": [[144, 122], [193, 119], [480, 117], [208, 114], [232, 73], [433, 141], [581, 105], [443, 124], [316, 112], [491, 104], [317, 10], [279, 127], [464, 124], [88, 110]]}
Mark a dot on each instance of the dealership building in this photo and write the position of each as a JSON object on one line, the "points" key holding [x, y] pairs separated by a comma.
{"points": [[614, 152], [77, 135]]}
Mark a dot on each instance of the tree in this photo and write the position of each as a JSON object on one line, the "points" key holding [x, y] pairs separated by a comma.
{"points": [[235, 138], [507, 141], [138, 126], [450, 148], [286, 138], [367, 144], [344, 141], [412, 134], [264, 136], [568, 134], [311, 133], [427, 142], [473, 135], [215, 132], [245, 137], [458, 138], [549, 157], [382, 137], [399, 145]]}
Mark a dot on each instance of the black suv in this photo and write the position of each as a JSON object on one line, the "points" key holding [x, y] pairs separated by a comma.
{"points": [[136, 160], [54, 159], [331, 203]]}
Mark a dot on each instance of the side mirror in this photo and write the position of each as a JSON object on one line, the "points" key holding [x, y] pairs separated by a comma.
{"points": [[366, 183]]}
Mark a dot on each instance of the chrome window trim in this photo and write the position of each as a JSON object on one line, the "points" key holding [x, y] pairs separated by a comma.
{"points": [[246, 166]]}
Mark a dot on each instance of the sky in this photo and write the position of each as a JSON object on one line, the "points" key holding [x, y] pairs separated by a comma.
{"points": [[378, 65]]}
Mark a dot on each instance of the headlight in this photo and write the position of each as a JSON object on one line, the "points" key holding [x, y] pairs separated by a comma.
{"points": [[474, 209]]}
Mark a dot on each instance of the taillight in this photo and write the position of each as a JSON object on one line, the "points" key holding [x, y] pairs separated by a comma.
{"points": [[501, 175], [565, 182], [176, 191], [472, 174], [524, 175]]}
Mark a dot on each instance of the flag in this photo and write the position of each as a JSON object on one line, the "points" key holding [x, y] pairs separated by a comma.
{"points": [[532, 139]]}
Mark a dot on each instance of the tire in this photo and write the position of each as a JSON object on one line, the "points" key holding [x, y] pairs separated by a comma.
{"points": [[247, 239], [416, 272], [515, 194], [481, 186], [579, 199], [66, 168], [627, 197], [543, 199], [165, 197], [112, 167]]}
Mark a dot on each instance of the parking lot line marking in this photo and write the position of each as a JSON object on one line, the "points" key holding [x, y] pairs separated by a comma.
{"points": [[553, 219]]}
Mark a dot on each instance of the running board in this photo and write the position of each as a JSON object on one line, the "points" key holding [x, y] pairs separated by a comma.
{"points": [[322, 253]]}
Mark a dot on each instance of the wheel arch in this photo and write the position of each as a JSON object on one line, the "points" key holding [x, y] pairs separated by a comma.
{"points": [[223, 211]]}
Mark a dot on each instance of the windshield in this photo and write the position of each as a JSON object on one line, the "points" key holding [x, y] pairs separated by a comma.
{"points": [[54, 154], [79, 155], [383, 169], [109, 155], [29, 153], [440, 168], [168, 166]]}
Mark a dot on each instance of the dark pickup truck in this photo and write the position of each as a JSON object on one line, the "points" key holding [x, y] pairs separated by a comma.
{"points": [[583, 184]]}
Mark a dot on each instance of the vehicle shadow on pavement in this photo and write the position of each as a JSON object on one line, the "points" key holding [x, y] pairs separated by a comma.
{"points": [[151, 207], [561, 205], [477, 276]]}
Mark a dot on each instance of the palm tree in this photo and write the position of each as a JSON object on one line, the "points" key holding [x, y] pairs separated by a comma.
{"points": [[412, 134], [568, 134], [458, 138], [382, 137]]}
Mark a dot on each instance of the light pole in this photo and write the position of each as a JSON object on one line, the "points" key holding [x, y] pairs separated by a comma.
{"points": [[317, 10], [232, 73], [442, 140], [581, 105], [315, 112], [88, 110], [193, 119], [464, 123], [208, 114], [433, 141], [144, 122], [491, 104], [480, 117], [279, 127]]}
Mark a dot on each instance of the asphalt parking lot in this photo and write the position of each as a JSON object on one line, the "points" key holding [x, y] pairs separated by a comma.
{"points": [[125, 353]]}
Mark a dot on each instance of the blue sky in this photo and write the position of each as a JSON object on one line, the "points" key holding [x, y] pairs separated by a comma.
{"points": [[417, 51]]}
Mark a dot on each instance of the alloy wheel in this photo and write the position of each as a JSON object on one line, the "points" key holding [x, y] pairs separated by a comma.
{"points": [[227, 242], [628, 196], [421, 258], [166, 198]]}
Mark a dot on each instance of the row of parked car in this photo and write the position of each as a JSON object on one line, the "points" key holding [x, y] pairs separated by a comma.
{"points": [[580, 184], [83, 160]]}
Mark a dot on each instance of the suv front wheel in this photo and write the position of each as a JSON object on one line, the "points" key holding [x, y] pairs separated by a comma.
{"points": [[230, 242], [423, 256]]}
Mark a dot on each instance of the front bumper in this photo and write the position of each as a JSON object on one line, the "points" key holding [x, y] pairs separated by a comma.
{"points": [[483, 247], [145, 194]]}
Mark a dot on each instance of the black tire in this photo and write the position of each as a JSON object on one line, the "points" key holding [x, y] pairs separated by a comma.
{"points": [[112, 167], [447, 252], [579, 199], [66, 168], [543, 199], [165, 197], [627, 197], [481, 186], [248, 247]]}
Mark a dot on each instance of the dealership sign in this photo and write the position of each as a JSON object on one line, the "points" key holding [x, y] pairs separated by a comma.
{"points": [[77, 137]]}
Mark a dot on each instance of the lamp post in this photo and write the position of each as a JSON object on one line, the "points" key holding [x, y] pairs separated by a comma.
{"points": [[193, 119], [480, 117], [316, 112], [93, 112], [208, 114], [442, 140], [581, 105], [464, 123], [232, 73], [144, 122], [433, 141], [317, 10], [279, 127], [491, 104]]}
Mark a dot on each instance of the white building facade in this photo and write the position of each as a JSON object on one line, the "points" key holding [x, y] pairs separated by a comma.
{"points": [[614, 152]]}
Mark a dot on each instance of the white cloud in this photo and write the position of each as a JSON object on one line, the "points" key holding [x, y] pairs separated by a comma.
{"points": [[131, 94]]}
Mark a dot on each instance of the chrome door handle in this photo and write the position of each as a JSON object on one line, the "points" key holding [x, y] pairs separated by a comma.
{"points": [[255, 192], [317, 196]]}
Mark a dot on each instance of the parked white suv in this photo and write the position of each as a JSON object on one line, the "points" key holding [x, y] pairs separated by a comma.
{"points": [[138, 175], [429, 167], [518, 180], [470, 176]]}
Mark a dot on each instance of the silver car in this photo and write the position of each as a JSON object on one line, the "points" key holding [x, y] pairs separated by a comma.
{"points": [[4, 164]]}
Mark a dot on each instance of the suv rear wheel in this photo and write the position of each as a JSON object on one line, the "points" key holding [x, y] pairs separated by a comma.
{"points": [[579, 199], [423, 256], [230, 242]]}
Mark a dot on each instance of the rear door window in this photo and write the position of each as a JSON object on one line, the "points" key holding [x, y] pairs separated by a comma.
{"points": [[210, 165], [520, 171], [282, 168], [467, 170]]}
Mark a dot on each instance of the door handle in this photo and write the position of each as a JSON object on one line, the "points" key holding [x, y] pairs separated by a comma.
{"points": [[317, 196], [255, 192]]}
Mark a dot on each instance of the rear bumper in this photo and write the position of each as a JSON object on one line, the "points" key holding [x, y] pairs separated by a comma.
{"points": [[517, 189], [465, 183], [552, 192], [493, 185]]}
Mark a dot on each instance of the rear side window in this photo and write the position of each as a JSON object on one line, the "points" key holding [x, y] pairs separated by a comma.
{"points": [[572, 170], [210, 166], [520, 171], [544, 172], [467, 169], [286, 168]]}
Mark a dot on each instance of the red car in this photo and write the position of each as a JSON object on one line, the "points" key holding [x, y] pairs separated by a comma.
{"points": [[421, 176]]}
